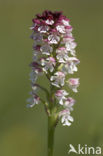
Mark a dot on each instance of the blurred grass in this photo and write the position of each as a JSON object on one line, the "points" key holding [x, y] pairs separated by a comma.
{"points": [[23, 131]]}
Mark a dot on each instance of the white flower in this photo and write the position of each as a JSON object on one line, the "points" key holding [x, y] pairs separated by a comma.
{"points": [[61, 96], [70, 45], [73, 52], [62, 54], [65, 22], [69, 102], [73, 84], [43, 29], [37, 37], [70, 65], [68, 29], [66, 119], [67, 38], [33, 101], [48, 64], [49, 22], [46, 49], [60, 28], [36, 71], [53, 39], [58, 79]]}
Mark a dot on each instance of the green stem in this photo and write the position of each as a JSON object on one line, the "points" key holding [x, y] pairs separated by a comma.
{"points": [[51, 130]]}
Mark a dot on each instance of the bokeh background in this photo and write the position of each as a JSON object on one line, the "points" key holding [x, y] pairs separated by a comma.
{"points": [[23, 132]]}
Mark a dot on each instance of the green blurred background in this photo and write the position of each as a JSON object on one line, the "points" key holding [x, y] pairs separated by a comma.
{"points": [[23, 132]]}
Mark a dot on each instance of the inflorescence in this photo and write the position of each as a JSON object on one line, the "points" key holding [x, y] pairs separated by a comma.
{"points": [[54, 56]]}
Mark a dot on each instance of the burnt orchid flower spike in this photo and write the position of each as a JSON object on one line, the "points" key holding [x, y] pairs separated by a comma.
{"points": [[54, 56]]}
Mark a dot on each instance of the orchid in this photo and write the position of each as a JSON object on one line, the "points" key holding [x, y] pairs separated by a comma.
{"points": [[73, 84], [54, 56]]}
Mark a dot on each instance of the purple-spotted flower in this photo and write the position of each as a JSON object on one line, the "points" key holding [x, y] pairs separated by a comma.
{"points": [[62, 54], [33, 101], [69, 103], [46, 49], [61, 96], [48, 64], [58, 79], [73, 84], [54, 56], [66, 118], [70, 65]]}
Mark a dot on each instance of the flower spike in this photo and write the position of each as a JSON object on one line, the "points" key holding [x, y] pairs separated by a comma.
{"points": [[54, 55]]}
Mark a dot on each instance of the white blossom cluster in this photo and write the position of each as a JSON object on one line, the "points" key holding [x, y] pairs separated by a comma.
{"points": [[54, 55]]}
